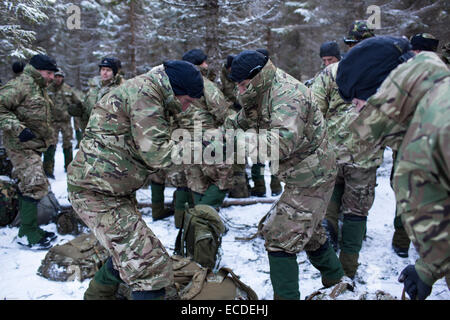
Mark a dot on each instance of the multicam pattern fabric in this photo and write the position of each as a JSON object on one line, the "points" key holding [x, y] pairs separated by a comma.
{"points": [[359, 31], [24, 104], [127, 138], [338, 116], [97, 89], [410, 113], [276, 100]]}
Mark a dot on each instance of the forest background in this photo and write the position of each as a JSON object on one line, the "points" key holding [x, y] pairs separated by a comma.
{"points": [[143, 33]]}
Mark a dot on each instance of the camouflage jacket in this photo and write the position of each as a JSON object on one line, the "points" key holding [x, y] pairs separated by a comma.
{"points": [[97, 89], [62, 97], [276, 100], [128, 136], [24, 103], [210, 111], [338, 115], [410, 113]]}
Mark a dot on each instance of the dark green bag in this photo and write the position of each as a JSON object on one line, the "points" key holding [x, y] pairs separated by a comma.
{"points": [[200, 235]]}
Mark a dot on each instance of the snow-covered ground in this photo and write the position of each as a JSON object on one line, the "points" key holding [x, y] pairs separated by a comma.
{"points": [[379, 265]]}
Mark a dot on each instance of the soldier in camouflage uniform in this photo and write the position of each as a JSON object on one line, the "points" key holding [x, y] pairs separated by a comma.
{"points": [[272, 99], [208, 183], [128, 137], [25, 118], [62, 96], [407, 108], [98, 87], [400, 240], [354, 191]]}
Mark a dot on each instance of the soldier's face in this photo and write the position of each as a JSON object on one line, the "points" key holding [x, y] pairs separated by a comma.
{"points": [[359, 103], [204, 65], [243, 85], [185, 101], [47, 75], [58, 80], [327, 60], [106, 73]]}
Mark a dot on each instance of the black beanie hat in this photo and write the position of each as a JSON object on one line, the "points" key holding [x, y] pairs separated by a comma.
{"points": [[17, 66], [366, 65], [109, 62], [43, 62], [265, 52], [229, 60], [246, 65], [424, 41], [330, 49], [184, 78], [195, 56]]}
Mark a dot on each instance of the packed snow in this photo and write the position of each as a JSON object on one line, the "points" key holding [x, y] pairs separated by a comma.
{"points": [[379, 265]]}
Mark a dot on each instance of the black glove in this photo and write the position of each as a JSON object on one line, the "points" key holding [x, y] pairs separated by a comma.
{"points": [[414, 286], [26, 135]]}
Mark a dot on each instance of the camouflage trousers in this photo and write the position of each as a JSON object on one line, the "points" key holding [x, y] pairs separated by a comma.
{"points": [[29, 172], [356, 188], [67, 133], [294, 223], [141, 259]]}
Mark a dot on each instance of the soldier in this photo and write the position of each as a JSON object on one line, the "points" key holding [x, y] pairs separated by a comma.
{"points": [[26, 125], [400, 240], [272, 99], [100, 86], [62, 96], [424, 42], [359, 30], [209, 183], [405, 106], [329, 53], [128, 137], [354, 191]]}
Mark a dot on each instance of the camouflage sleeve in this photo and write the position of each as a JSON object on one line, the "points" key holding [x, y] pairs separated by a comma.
{"points": [[216, 102], [75, 107], [429, 181], [150, 129], [321, 90], [11, 96]]}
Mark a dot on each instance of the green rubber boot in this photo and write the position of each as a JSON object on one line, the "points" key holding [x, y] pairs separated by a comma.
{"points": [[158, 210], [284, 275], [326, 261], [275, 186], [213, 197], [353, 231], [79, 136], [49, 161], [105, 283], [28, 221], [259, 188], [181, 196], [68, 157], [400, 240]]}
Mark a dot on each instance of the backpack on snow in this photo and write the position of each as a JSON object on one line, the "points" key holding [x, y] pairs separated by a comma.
{"points": [[194, 282], [79, 259], [200, 235], [9, 202]]}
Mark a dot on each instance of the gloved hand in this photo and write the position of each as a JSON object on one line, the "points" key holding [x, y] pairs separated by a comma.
{"points": [[414, 286], [26, 135]]}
